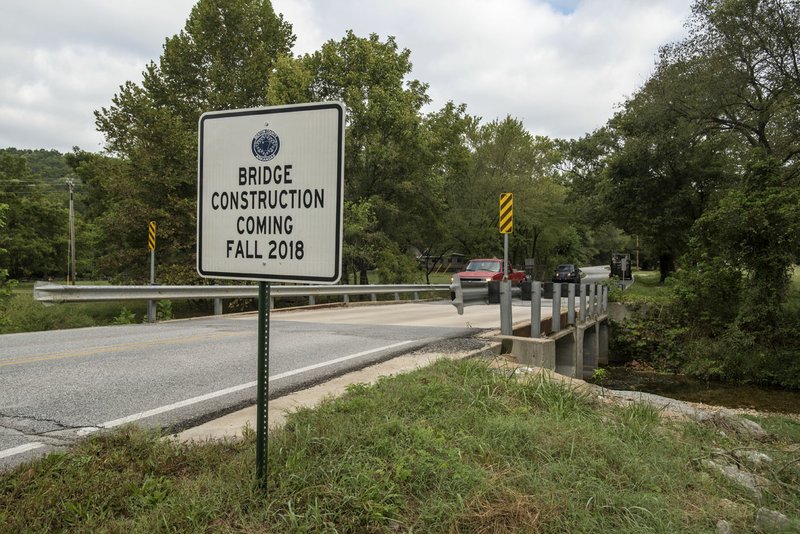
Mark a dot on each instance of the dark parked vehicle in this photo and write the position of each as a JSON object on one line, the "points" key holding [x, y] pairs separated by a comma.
{"points": [[621, 266], [567, 273]]}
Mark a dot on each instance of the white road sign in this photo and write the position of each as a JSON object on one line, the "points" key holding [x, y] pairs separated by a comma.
{"points": [[270, 193]]}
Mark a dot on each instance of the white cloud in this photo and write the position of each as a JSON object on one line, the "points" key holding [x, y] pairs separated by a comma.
{"points": [[559, 66]]}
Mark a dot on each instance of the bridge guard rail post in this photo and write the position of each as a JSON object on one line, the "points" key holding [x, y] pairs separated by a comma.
{"points": [[582, 311], [536, 309], [505, 308], [571, 305], [556, 315]]}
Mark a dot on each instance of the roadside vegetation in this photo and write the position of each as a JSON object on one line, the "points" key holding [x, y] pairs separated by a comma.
{"points": [[456, 447], [647, 288], [676, 329]]}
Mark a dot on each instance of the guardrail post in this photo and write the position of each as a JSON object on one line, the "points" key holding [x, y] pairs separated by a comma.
{"points": [[374, 297], [571, 304], [416, 295], [536, 309], [311, 300], [506, 327], [604, 300], [217, 306], [582, 311], [556, 316], [347, 299], [592, 297], [397, 296]]}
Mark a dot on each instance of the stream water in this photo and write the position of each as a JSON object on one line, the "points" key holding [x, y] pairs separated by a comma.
{"points": [[714, 393]]}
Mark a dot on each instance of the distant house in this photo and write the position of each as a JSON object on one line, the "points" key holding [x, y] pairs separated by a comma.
{"points": [[450, 262]]}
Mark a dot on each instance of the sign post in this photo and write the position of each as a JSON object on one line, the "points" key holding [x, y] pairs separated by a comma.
{"points": [[269, 208], [262, 395], [506, 227], [151, 244]]}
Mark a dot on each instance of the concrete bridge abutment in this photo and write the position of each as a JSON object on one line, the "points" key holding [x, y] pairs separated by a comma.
{"points": [[575, 351]]}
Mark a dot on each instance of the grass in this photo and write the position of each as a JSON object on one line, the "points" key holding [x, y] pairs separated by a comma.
{"points": [[24, 314], [649, 287], [456, 447], [646, 287]]}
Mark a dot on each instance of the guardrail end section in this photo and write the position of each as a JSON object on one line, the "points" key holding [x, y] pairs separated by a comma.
{"points": [[457, 295], [41, 294]]}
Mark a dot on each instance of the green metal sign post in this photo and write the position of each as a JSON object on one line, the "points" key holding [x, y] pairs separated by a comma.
{"points": [[262, 415]]}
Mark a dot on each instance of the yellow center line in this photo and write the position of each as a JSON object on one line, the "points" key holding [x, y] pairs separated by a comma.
{"points": [[118, 348]]}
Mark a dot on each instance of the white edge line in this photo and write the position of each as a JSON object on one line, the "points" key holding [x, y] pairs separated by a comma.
{"points": [[337, 360], [194, 400], [19, 450]]}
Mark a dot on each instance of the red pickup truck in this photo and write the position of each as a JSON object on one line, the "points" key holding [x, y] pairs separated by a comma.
{"points": [[481, 271]]}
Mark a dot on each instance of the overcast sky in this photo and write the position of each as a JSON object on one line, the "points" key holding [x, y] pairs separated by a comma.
{"points": [[560, 66]]}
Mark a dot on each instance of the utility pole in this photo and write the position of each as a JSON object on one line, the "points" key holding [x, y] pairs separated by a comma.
{"points": [[71, 267]]}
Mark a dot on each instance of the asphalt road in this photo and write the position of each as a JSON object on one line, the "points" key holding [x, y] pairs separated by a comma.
{"points": [[594, 274], [58, 386]]}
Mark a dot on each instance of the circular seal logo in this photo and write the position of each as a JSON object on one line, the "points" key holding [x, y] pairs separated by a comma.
{"points": [[266, 145]]}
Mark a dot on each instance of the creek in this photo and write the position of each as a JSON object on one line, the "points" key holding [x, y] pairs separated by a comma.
{"points": [[690, 389]]}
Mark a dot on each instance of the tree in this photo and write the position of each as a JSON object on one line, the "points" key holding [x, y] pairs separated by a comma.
{"points": [[665, 171], [4, 282], [33, 242], [385, 161], [396, 161], [735, 78], [507, 158], [755, 229], [737, 73], [447, 132], [223, 58], [6, 285]]}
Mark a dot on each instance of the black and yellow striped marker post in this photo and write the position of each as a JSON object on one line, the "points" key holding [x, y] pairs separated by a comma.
{"points": [[151, 244], [506, 227], [151, 235], [506, 213]]}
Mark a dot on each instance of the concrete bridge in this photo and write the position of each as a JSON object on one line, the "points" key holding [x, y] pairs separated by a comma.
{"points": [[572, 339]]}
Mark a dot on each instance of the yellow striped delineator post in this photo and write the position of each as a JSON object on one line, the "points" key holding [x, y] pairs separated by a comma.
{"points": [[151, 244], [151, 235], [506, 227], [506, 213]]}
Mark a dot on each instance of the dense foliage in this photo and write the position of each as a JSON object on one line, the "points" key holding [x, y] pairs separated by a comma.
{"points": [[33, 241]]}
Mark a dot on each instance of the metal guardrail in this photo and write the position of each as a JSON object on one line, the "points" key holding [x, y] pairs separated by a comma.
{"points": [[53, 293], [592, 300]]}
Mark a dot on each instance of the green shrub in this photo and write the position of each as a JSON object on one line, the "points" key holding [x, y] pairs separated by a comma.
{"points": [[662, 335], [164, 310], [6, 293], [125, 317], [24, 314], [614, 289], [707, 295]]}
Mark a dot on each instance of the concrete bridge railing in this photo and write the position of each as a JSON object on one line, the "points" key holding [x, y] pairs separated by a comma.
{"points": [[574, 340]]}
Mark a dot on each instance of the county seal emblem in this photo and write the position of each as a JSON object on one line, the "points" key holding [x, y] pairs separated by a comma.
{"points": [[266, 145]]}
